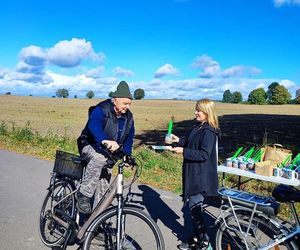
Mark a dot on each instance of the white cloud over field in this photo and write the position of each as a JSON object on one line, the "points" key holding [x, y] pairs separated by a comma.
{"points": [[75, 65], [165, 70]]}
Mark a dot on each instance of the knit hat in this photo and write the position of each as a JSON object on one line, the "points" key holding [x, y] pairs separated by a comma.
{"points": [[122, 91]]}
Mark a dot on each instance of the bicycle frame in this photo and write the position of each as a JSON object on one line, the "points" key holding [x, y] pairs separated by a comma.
{"points": [[115, 189], [285, 235], [288, 235]]}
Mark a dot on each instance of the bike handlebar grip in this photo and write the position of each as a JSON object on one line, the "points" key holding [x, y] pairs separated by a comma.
{"points": [[130, 160]]}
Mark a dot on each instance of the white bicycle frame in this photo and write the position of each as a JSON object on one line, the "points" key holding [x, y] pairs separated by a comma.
{"points": [[285, 235]]}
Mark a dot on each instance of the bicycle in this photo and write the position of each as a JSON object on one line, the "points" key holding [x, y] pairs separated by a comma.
{"points": [[119, 227], [250, 221]]}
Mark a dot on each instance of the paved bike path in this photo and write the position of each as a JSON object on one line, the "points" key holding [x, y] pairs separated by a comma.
{"points": [[23, 183]]}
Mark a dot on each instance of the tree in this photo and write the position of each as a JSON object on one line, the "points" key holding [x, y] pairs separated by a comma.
{"points": [[257, 96], [237, 97], [297, 93], [280, 95], [227, 96], [75, 96], [8, 93], [62, 93], [110, 94], [270, 90], [297, 100], [139, 94], [90, 94]]}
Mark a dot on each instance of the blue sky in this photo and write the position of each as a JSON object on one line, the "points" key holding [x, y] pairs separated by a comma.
{"points": [[187, 49]]}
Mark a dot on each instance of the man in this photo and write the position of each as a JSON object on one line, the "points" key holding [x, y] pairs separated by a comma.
{"points": [[110, 124]]}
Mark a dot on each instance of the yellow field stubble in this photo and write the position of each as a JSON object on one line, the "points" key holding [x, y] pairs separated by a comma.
{"points": [[58, 115]]}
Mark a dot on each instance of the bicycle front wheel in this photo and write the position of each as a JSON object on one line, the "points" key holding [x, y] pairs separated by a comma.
{"points": [[51, 232], [139, 231], [261, 233]]}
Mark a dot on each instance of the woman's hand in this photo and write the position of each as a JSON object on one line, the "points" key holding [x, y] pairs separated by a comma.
{"points": [[175, 138], [177, 150]]}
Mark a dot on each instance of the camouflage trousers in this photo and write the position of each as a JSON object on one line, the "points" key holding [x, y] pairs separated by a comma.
{"points": [[96, 177]]}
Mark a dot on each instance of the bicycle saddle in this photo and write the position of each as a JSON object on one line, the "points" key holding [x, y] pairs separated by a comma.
{"points": [[284, 193]]}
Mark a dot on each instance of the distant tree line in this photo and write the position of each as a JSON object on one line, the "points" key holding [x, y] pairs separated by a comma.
{"points": [[276, 94], [64, 93]]}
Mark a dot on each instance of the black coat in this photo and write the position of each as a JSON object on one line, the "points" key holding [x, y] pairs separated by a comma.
{"points": [[199, 173]]}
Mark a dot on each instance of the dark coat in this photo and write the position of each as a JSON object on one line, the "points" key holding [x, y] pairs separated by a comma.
{"points": [[103, 124], [199, 173]]}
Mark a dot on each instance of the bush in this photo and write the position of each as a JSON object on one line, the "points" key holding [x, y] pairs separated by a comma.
{"points": [[62, 93], [139, 94], [237, 97], [280, 95], [257, 96], [227, 96], [90, 94]]}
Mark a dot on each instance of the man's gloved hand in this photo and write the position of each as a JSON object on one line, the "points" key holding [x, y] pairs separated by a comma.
{"points": [[111, 145]]}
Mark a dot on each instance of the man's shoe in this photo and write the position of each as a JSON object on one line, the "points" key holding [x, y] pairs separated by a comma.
{"points": [[83, 203], [184, 246]]}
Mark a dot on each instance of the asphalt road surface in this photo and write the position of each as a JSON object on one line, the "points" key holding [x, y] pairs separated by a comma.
{"points": [[23, 183]]}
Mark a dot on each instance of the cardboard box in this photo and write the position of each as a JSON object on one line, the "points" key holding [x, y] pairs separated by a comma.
{"points": [[264, 168]]}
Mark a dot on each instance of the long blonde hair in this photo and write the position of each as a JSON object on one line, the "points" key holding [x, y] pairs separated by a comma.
{"points": [[207, 106]]}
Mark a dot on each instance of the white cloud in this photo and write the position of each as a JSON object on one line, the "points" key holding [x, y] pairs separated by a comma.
{"points": [[72, 53], [95, 72], [29, 68], [118, 71], [195, 88], [240, 70], [28, 77], [165, 70], [279, 3], [3, 72], [65, 54], [212, 69], [33, 55], [287, 83]]}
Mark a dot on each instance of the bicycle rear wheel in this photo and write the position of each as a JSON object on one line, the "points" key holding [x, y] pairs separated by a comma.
{"points": [[261, 233], [139, 231], [51, 232]]}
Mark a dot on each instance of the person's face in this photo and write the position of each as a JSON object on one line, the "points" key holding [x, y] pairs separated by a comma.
{"points": [[200, 116], [121, 105]]}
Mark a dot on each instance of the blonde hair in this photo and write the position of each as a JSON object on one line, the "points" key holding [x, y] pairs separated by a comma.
{"points": [[207, 106]]}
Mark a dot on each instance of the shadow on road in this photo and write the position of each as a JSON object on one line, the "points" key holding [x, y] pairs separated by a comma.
{"points": [[160, 211]]}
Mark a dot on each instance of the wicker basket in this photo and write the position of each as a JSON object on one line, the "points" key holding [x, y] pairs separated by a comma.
{"points": [[68, 165]]}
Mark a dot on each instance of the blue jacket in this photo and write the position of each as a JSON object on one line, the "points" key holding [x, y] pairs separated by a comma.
{"points": [[103, 124]]}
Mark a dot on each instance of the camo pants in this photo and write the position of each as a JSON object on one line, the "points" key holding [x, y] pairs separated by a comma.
{"points": [[96, 177]]}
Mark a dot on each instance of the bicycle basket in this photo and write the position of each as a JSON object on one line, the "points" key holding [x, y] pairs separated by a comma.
{"points": [[65, 165]]}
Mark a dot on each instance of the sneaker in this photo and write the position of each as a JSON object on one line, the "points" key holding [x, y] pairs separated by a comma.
{"points": [[205, 246], [184, 246], [83, 203]]}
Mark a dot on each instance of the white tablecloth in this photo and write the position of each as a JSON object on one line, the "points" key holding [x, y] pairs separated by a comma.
{"points": [[252, 175]]}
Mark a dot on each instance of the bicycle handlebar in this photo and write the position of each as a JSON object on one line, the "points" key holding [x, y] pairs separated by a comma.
{"points": [[113, 157]]}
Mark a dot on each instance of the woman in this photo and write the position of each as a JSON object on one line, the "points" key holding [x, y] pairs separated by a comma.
{"points": [[200, 178]]}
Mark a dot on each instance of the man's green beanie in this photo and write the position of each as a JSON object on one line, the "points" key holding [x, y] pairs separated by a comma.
{"points": [[122, 91]]}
